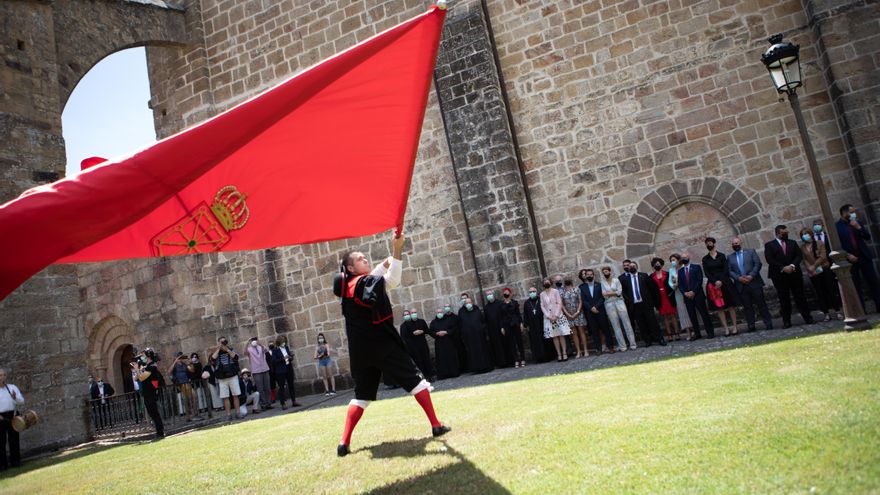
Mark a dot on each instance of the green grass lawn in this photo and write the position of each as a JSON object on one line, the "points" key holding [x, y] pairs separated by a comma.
{"points": [[799, 416]]}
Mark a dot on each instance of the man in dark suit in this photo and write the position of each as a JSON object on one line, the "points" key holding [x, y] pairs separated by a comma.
{"points": [[854, 239], [640, 294], [594, 311], [690, 283], [745, 270], [100, 391], [784, 268]]}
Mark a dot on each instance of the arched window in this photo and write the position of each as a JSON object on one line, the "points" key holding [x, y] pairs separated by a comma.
{"points": [[108, 113]]}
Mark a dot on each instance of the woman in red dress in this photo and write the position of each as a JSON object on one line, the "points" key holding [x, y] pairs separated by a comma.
{"points": [[667, 300]]}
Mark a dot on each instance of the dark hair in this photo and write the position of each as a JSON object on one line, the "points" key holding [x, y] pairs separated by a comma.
{"points": [[221, 338], [194, 355], [778, 228], [845, 208], [655, 259], [627, 261], [710, 239], [346, 259], [321, 334], [676, 256]]}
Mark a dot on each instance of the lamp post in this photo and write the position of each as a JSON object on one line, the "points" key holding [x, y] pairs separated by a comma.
{"points": [[782, 61]]}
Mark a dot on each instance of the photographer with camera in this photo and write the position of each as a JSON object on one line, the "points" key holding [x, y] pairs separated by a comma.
{"points": [[225, 362], [179, 371], [150, 380]]}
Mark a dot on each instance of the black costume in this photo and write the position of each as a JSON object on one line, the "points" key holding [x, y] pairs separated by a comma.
{"points": [[417, 345], [374, 346], [473, 333], [511, 322], [445, 348], [496, 342], [150, 392], [533, 316]]}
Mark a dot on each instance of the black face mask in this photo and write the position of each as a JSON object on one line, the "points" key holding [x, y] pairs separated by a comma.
{"points": [[224, 342], [784, 236], [657, 267], [558, 284], [633, 269], [547, 285], [589, 279], [506, 296], [737, 248], [685, 261]]}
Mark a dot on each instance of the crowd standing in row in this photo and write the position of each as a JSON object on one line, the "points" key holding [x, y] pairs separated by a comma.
{"points": [[614, 312]]}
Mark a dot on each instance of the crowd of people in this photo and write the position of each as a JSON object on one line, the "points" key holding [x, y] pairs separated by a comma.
{"points": [[220, 384], [608, 313]]}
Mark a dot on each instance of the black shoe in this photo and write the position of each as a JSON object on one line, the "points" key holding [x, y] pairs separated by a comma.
{"points": [[810, 321], [159, 436], [768, 327], [662, 341], [750, 330], [786, 324], [342, 450], [439, 431], [710, 336]]}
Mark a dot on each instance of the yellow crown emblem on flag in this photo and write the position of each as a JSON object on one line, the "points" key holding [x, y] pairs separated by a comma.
{"points": [[230, 209]]}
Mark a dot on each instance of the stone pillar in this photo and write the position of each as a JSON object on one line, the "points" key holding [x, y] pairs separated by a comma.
{"points": [[484, 152], [847, 44]]}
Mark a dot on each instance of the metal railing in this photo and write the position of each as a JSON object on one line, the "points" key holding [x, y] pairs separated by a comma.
{"points": [[124, 414]]}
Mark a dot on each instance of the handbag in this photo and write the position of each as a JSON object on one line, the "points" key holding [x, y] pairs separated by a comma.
{"points": [[715, 295]]}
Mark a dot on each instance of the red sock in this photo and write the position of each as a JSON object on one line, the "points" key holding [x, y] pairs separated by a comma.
{"points": [[424, 400], [351, 420]]}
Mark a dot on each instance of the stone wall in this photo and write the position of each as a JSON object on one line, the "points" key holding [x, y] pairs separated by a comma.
{"points": [[46, 48], [558, 135], [615, 99]]}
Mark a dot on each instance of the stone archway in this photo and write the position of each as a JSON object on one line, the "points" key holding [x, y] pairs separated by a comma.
{"points": [[107, 342], [740, 210], [92, 33]]}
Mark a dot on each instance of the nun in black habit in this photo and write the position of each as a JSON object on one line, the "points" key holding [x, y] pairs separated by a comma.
{"points": [[493, 326], [533, 318], [413, 330], [473, 333], [445, 332]]}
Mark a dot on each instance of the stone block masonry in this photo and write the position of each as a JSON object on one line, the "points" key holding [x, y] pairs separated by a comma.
{"points": [[558, 135]]}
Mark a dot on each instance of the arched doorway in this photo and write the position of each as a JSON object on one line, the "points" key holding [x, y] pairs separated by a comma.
{"points": [[124, 363], [109, 342]]}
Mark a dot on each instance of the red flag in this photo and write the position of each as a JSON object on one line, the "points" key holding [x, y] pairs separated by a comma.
{"points": [[327, 154]]}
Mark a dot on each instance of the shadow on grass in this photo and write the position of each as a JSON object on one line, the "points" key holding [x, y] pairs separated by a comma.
{"points": [[462, 476], [48, 460]]}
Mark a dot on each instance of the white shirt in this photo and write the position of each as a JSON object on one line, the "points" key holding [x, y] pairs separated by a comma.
{"points": [[7, 403], [611, 286], [392, 275], [286, 356], [101, 392]]}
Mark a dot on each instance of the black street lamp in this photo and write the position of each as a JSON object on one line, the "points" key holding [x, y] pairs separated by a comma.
{"points": [[783, 62]]}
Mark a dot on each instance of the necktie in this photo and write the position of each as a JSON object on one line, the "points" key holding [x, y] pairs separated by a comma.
{"points": [[687, 276], [852, 239], [784, 247], [635, 281], [739, 259]]}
